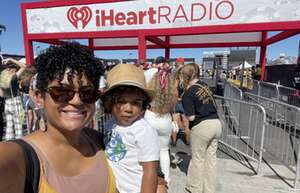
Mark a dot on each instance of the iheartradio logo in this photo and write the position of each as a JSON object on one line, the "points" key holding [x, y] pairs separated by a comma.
{"points": [[79, 16]]}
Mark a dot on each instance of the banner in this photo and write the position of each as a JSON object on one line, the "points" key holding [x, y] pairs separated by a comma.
{"points": [[157, 14]]}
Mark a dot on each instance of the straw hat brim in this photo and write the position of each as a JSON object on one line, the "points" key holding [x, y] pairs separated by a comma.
{"points": [[149, 92]]}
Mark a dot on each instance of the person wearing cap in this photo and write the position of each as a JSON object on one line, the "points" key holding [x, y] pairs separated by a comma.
{"points": [[132, 145], [179, 63], [64, 156]]}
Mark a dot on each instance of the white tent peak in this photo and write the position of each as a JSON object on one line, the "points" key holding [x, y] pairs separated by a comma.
{"points": [[23, 60], [247, 65]]}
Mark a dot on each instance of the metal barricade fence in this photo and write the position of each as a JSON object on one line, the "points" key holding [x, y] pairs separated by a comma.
{"points": [[282, 135], [211, 82], [268, 90], [100, 116], [232, 91], [243, 127], [275, 91], [288, 95]]}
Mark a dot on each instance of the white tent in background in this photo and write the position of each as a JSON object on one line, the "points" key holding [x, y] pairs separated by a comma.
{"points": [[23, 60], [247, 65]]}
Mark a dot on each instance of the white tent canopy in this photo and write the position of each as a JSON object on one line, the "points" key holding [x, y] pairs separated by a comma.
{"points": [[247, 65], [23, 60]]}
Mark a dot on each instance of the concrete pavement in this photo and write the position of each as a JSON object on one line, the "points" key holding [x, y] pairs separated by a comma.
{"points": [[235, 174]]}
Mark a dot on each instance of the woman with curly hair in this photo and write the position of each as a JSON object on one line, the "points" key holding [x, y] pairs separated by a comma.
{"points": [[64, 156], [159, 115]]}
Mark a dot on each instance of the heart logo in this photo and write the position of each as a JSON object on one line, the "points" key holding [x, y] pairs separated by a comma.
{"points": [[84, 15]]}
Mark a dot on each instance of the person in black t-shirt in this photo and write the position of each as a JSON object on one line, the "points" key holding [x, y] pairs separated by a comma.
{"points": [[200, 109]]}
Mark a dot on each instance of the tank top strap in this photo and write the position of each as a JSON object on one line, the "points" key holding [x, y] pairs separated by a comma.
{"points": [[44, 187], [112, 187]]}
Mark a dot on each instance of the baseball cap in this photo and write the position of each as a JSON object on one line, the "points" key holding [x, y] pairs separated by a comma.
{"points": [[180, 60]]}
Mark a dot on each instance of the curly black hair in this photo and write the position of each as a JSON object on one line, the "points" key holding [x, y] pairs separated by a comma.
{"points": [[113, 97], [52, 63]]}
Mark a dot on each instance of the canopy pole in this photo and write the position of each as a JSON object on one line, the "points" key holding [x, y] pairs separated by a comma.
{"points": [[263, 51], [167, 53], [28, 52], [167, 50], [91, 45], [142, 48]]}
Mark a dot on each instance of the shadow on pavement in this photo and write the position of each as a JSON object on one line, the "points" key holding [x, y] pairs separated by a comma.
{"points": [[180, 160]]}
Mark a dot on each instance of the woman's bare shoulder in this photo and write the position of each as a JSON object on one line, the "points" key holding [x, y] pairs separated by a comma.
{"points": [[12, 167], [10, 152]]}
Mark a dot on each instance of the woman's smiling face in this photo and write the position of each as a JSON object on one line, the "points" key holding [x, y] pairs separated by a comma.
{"points": [[71, 114]]}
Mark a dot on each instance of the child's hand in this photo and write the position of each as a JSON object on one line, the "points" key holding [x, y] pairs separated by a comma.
{"points": [[161, 181]]}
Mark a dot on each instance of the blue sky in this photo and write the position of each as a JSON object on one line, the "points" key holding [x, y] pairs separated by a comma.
{"points": [[11, 41]]}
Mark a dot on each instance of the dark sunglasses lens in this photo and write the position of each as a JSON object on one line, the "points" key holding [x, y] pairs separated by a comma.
{"points": [[89, 96], [60, 94]]}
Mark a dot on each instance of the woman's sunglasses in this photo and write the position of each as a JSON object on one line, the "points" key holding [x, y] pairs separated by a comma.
{"points": [[64, 94]]}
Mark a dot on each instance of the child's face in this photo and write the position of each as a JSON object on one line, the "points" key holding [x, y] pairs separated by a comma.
{"points": [[128, 108]]}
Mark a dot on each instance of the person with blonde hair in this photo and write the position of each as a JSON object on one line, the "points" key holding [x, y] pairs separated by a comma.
{"points": [[159, 115], [200, 109]]}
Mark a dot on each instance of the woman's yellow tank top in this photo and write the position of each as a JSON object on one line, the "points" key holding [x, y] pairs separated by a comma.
{"points": [[44, 186]]}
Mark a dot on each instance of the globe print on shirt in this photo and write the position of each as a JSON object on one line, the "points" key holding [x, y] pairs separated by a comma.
{"points": [[115, 149]]}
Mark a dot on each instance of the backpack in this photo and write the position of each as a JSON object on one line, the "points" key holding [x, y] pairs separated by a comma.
{"points": [[5, 78], [5, 83]]}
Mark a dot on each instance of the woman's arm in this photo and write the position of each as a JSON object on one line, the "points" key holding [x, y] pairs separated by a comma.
{"points": [[21, 65], [149, 180], [12, 168]]}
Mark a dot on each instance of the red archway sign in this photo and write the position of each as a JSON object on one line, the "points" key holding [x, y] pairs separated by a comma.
{"points": [[136, 24]]}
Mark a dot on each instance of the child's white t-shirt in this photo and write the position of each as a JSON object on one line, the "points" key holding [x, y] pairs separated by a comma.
{"points": [[127, 148]]}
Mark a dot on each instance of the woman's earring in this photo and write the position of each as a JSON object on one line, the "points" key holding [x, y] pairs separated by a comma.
{"points": [[43, 124]]}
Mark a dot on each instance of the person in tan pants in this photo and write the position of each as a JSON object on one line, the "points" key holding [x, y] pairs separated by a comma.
{"points": [[200, 109]]}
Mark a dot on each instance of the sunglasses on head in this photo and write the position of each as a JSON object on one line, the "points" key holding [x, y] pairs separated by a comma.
{"points": [[64, 94]]}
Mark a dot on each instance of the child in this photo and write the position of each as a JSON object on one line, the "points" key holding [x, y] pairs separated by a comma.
{"points": [[132, 146]]}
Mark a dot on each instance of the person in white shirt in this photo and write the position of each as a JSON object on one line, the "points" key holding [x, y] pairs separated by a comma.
{"points": [[132, 145], [159, 115]]}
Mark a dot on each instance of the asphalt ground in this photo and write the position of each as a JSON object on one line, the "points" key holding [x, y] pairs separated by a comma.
{"points": [[235, 173]]}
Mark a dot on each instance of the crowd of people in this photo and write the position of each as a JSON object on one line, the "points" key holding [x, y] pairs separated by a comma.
{"points": [[18, 107], [64, 152]]}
